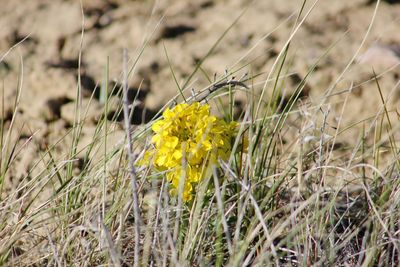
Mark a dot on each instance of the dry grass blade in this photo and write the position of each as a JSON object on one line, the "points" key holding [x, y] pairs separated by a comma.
{"points": [[131, 157]]}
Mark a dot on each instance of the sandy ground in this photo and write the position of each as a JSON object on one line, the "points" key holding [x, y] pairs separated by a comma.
{"points": [[40, 43]]}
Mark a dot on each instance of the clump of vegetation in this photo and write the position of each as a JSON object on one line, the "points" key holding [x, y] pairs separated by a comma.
{"points": [[269, 185], [186, 143]]}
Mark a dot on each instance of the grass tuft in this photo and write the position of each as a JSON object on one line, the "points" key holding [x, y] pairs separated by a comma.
{"points": [[291, 193]]}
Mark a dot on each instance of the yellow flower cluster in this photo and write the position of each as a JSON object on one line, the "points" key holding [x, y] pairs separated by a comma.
{"points": [[186, 141]]}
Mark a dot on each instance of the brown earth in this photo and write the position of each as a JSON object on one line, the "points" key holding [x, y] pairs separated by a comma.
{"points": [[40, 44]]}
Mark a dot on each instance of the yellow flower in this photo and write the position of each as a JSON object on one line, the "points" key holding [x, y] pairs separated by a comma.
{"points": [[191, 176], [188, 135]]}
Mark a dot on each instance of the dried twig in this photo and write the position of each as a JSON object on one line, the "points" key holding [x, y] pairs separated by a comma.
{"points": [[132, 170], [220, 85]]}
